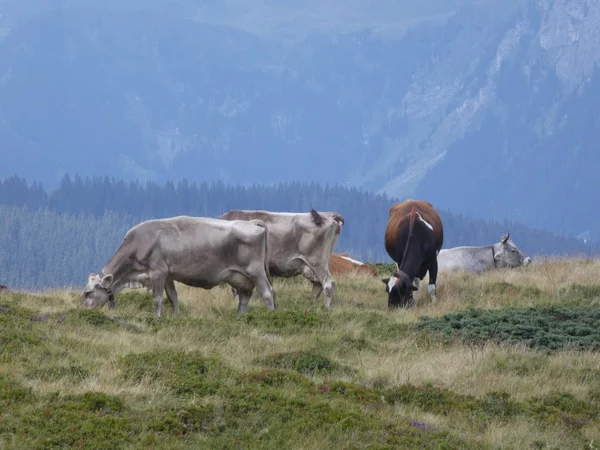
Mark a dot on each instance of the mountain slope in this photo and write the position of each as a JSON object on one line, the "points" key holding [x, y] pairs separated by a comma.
{"points": [[534, 153], [485, 108]]}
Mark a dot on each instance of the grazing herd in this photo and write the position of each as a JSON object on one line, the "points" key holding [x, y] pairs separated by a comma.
{"points": [[245, 249]]}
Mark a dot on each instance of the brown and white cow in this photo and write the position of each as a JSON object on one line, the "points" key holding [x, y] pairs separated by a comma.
{"points": [[197, 251], [300, 244], [413, 239], [342, 263]]}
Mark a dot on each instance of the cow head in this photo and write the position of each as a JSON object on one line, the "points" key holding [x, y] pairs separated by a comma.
{"points": [[98, 291], [400, 290], [507, 254]]}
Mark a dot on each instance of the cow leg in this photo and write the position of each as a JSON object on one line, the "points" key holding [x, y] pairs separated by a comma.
{"points": [[158, 286], [172, 295], [329, 290], [266, 291], [244, 299], [322, 282], [433, 270], [236, 294], [316, 290], [310, 275], [259, 278], [327, 285]]}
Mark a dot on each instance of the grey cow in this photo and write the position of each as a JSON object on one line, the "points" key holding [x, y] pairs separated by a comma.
{"points": [[196, 251], [479, 259], [300, 243]]}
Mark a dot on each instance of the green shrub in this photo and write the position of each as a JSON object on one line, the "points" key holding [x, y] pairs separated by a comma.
{"points": [[549, 328], [17, 331], [385, 269], [285, 321], [277, 378], [89, 421], [182, 421], [183, 373], [72, 372], [12, 393], [301, 361], [138, 300], [95, 318]]}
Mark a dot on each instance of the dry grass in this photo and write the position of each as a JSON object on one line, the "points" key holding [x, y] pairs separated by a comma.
{"points": [[369, 345]]}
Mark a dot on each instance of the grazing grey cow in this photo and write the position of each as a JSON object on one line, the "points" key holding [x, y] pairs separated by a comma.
{"points": [[300, 243], [196, 251], [479, 259]]}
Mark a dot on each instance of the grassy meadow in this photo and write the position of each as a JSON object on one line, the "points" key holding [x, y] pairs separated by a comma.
{"points": [[509, 359]]}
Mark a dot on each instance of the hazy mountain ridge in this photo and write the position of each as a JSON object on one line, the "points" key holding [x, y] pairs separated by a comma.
{"points": [[53, 239], [535, 144], [473, 105]]}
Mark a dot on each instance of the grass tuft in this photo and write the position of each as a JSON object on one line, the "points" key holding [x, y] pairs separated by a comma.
{"points": [[301, 361]]}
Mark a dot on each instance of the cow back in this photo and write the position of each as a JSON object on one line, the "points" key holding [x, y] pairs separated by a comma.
{"points": [[399, 218], [338, 265]]}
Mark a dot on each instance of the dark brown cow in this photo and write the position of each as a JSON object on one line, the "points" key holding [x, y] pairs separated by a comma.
{"points": [[3, 288], [341, 263], [413, 239]]}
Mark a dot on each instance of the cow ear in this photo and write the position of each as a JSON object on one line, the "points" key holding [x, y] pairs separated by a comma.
{"points": [[106, 281], [385, 281], [414, 288]]}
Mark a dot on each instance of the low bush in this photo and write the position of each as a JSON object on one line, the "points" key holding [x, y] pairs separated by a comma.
{"points": [[547, 328]]}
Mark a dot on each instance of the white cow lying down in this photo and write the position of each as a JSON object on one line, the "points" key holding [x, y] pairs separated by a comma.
{"points": [[480, 259]]}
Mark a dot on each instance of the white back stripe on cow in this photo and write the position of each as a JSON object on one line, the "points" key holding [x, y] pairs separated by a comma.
{"points": [[358, 263], [427, 224]]}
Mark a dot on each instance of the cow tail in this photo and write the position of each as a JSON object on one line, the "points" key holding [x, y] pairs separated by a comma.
{"points": [[411, 225], [262, 224]]}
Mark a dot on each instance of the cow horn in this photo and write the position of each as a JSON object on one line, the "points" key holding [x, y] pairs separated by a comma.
{"points": [[316, 217]]}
